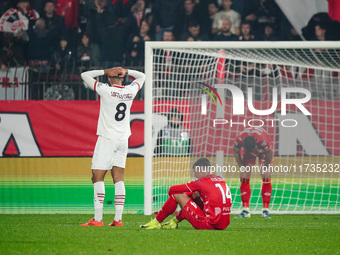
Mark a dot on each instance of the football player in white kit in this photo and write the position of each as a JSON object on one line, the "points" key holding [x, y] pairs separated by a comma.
{"points": [[113, 132]]}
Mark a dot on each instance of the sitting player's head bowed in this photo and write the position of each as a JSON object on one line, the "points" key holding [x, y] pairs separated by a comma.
{"points": [[202, 167]]}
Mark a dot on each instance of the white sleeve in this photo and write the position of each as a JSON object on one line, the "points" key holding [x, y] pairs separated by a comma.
{"points": [[88, 78], [139, 78]]}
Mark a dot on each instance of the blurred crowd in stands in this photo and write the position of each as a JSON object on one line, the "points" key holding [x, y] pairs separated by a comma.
{"points": [[70, 36]]}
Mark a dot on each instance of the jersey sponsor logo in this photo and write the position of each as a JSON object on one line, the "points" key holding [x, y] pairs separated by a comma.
{"points": [[121, 96], [226, 209]]}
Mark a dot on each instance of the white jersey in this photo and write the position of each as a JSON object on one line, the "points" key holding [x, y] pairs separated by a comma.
{"points": [[115, 104]]}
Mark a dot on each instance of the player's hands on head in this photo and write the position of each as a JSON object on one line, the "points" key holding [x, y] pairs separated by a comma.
{"points": [[116, 72], [121, 71]]}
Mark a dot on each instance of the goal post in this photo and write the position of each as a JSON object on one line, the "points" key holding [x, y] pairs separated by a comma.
{"points": [[201, 80]]}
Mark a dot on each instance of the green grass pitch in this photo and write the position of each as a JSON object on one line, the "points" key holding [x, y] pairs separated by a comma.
{"points": [[61, 234]]}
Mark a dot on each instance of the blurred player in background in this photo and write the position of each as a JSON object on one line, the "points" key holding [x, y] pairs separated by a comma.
{"points": [[113, 132], [254, 143], [205, 202], [174, 139]]}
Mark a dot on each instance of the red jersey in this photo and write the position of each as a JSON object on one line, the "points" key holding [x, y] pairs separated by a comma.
{"points": [[215, 195], [263, 142]]}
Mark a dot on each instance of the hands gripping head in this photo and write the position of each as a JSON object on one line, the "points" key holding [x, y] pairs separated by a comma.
{"points": [[116, 74]]}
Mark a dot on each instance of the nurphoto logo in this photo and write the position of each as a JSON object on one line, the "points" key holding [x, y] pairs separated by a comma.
{"points": [[238, 105]]}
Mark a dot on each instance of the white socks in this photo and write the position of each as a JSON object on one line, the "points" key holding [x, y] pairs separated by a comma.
{"points": [[99, 195], [119, 200]]}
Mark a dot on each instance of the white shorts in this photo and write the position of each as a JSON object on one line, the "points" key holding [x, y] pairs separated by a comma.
{"points": [[109, 153]]}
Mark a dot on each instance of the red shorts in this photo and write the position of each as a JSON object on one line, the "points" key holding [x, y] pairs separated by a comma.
{"points": [[249, 159], [192, 213]]}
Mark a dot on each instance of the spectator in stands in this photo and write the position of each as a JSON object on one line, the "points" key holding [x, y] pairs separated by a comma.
{"points": [[174, 139], [136, 44], [12, 50], [269, 33], [246, 32], [187, 15], [293, 35], [69, 8], [264, 12], [122, 8], [63, 57], [87, 53], [136, 16], [193, 33], [165, 14], [40, 41], [85, 10], [24, 6], [320, 32], [168, 36], [150, 20], [212, 10], [322, 19], [53, 20], [227, 12], [225, 32], [40, 49], [110, 29]]}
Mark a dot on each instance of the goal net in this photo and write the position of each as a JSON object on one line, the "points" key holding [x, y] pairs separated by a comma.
{"points": [[200, 96]]}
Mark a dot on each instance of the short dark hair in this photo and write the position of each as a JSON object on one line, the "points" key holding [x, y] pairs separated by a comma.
{"points": [[202, 162], [249, 143], [193, 23], [246, 22], [115, 77], [214, 2]]}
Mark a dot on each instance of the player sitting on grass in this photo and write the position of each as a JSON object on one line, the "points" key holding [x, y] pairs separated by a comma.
{"points": [[250, 144], [212, 210]]}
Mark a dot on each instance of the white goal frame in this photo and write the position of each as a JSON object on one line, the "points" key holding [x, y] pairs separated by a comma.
{"points": [[150, 46]]}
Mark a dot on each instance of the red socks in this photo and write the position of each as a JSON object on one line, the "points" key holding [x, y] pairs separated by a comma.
{"points": [[168, 208], [245, 192], [266, 192]]}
